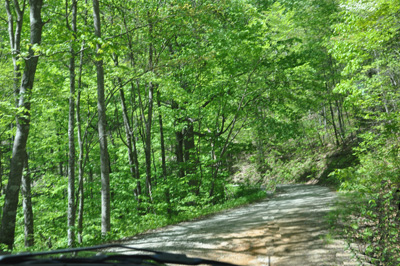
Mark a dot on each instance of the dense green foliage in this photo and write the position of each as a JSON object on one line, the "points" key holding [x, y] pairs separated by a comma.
{"points": [[366, 43], [204, 94]]}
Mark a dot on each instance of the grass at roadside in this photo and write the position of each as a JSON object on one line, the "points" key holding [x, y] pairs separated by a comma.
{"points": [[124, 228], [369, 223], [238, 196]]}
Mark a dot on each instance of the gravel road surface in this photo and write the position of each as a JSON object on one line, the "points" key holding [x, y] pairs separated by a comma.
{"points": [[287, 229]]}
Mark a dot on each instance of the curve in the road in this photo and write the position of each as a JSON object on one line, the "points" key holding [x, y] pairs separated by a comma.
{"points": [[287, 229]]}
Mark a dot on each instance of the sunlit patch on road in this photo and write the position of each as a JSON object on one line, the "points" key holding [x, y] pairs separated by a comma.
{"points": [[288, 229]]}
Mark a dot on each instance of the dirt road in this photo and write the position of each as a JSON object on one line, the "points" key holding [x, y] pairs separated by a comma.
{"points": [[287, 229]]}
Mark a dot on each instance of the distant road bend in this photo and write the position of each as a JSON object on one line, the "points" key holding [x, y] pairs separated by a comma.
{"points": [[287, 229]]}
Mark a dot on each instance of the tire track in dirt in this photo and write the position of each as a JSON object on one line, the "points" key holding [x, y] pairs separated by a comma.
{"points": [[287, 229]]}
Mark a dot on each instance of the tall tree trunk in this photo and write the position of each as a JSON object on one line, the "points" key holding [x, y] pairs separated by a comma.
{"points": [[341, 120], [1, 174], [80, 157], [7, 231], [229, 139], [163, 159], [334, 123], [147, 146], [332, 77], [135, 156], [81, 150], [188, 141], [71, 127], [101, 106], [132, 154], [149, 115], [15, 45], [179, 153], [259, 140], [27, 206], [179, 146], [214, 167], [190, 166], [198, 159], [15, 40], [138, 189], [148, 121], [325, 121], [81, 141]]}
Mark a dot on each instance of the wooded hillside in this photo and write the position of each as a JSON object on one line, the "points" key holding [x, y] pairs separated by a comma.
{"points": [[117, 116]]}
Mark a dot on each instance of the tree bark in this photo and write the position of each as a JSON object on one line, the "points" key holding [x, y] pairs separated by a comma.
{"points": [[1, 173], [15, 45], [190, 166], [148, 122], [81, 199], [341, 121], [7, 231], [15, 40], [163, 159], [101, 107], [334, 124], [71, 127], [27, 206], [179, 153], [135, 157], [138, 190], [132, 153], [147, 147], [80, 156]]}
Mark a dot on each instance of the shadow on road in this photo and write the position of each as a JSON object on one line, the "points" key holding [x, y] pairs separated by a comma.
{"points": [[288, 229]]}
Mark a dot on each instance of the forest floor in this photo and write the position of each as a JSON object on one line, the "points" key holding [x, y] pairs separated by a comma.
{"points": [[287, 229]]}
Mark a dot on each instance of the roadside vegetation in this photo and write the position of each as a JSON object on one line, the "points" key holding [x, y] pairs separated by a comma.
{"points": [[132, 223]]}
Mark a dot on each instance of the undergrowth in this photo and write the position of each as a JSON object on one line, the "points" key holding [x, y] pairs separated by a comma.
{"points": [[370, 224], [124, 227], [368, 214]]}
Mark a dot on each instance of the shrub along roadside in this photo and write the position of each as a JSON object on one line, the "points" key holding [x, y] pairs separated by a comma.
{"points": [[239, 196], [370, 225], [127, 227], [368, 213]]}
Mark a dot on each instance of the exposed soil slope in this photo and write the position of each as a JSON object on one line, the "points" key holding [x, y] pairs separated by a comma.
{"points": [[288, 229]]}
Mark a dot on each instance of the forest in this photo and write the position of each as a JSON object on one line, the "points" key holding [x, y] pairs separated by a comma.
{"points": [[121, 116]]}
